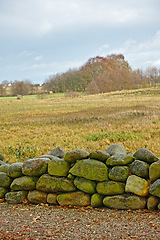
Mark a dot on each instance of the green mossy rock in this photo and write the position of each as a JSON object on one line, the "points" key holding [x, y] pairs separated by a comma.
{"points": [[155, 188], [120, 160], [47, 183], [154, 171], [5, 180], [52, 198], [137, 185], [99, 155], [16, 197], [58, 152], [159, 206], [24, 183], [110, 188], [74, 155], [125, 202], [35, 167], [37, 197], [85, 185], [15, 170], [90, 169], [74, 199], [3, 191], [58, 167], [2, 157], [4, 167], [119, 173], [97, 200], [145, 155], [115, 149], [140, 168], [152, 202]]}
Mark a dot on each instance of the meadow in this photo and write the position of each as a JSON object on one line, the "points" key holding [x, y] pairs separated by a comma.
{"points": [[35, 125]]}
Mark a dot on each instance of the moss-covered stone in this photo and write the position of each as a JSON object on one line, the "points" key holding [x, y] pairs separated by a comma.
{"points": [[115, 149], [119, 173], [125, 202], [97, 200], [58, 152], [24, 183], [74, 199], [35, 167], [152, 202], [2, 157], [52, 198], [155, 188], [110, 188], [90, 169], [3, 191], [70, 176], [15, 170], [99, 155], [58, 167], [16, 197], [140, 168], [47, 183], [1, 162], [5, 180], [119, 160], [4, 167], [158, 206], [85, 185], [154, 171], [137, 185], [37, 197], [74, 155], [145, 155]]}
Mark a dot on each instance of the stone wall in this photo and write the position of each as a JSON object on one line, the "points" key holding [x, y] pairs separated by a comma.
{"points": [[114, 179]]}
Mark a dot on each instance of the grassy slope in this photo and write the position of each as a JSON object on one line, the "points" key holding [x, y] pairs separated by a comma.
{"points": [[34, 126]]}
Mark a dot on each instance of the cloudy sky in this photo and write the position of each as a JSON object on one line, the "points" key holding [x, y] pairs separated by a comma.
{"points": [[43, 37]]}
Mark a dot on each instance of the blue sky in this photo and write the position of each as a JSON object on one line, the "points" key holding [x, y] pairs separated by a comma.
{"points": [[43, 37]]}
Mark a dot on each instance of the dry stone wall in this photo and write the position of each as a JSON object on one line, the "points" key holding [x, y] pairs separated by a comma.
{"points": [[114, 179]]}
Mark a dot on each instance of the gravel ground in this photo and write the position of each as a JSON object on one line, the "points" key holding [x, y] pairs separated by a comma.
{"points": [[36, 222]]}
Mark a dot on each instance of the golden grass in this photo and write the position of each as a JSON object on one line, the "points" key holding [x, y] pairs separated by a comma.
{"points": [[34, 126]]}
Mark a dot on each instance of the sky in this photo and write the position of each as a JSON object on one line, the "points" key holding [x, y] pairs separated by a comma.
{"points": [[40, 38]]}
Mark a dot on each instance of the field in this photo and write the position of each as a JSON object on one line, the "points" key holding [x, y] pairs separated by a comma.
{"points": [[35, 125]]}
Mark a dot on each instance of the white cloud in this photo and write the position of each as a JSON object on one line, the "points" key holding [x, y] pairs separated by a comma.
{"points": [[25, 53], [38, 58]]}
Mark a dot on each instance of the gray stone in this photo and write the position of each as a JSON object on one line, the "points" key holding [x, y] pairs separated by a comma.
{"points": [[99, 155], [3, 191], [2, 157], [24, 183], [145, 155], [137, 185], [110, 188], [37, 197], [5, 180], [58, 167], [35, 167], [58, 152], [1, 162], [125, 202], [140, 168], [119, 160], [16, 197], [15, 170], [47, 183], [74, 155], [85, 185], [74, 199], [90, 169], [52, 198], [50, 157], [97, 200], [115, 149], [152, 202], [4, 167], [155, 188], [119, 173], [154, 171]]}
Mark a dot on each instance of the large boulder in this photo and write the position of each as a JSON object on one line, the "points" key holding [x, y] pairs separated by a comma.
{"points": [[145, 155], [99, 155], [155, 188], [90, 169], [125, 202], [5, 180], [137, 185], [16, 197], [4, 167], [24, 183], [37, 197], [110, 188], [85, 185], [58, 167], [74, 155], [35, 167], [47, 183], [58, 152], [74, 199], [140, 168], [119, 160], [154, 171], [115, 149], [3, 191], [15, 170], [119, 173], [97, 200]]}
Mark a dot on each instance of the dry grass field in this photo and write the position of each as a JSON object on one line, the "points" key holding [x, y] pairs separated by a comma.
{"points": [[35, 125]]}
